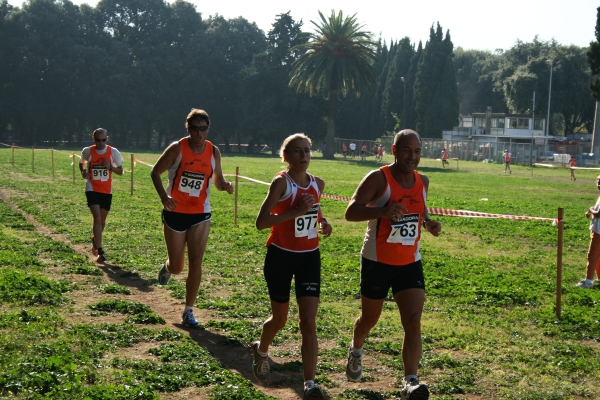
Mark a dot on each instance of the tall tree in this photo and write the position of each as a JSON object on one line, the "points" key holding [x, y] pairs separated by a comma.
{"points": [[394, 93], [338, 61], [593, 56], [436, 96]]}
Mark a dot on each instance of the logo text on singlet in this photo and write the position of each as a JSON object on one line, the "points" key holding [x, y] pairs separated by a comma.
{"points": [[306, 225], [404, 231], [191, 183], [99, 173]]}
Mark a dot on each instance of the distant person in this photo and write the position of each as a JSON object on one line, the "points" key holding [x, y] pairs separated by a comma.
{"points": [[572, 165], [376, 151], [323, 148], [380, 152], [593, 254], [352, 149], [190, 164], [444, 158], [363, 151], [507, 156], [344, 149], [101, 160], [391, 256], [292, 211]]}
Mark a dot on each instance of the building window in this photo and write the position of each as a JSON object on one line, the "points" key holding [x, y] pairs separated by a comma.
{"points": [[538, 124], [518, 123], [479, 122], [498, 123]]}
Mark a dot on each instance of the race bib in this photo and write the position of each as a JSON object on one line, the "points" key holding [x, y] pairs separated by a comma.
{"points": [[191, 183], [306, 225], [99, 173], [405, 231]]}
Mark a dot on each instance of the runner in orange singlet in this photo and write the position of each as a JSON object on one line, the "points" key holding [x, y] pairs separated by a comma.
{"points": [[102, 160], [393, 201], [191, 162], [292, 211], [573, 164], [507, 156]]}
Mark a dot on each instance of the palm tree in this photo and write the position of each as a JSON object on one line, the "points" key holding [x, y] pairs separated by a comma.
{"points": [[339, 58]]}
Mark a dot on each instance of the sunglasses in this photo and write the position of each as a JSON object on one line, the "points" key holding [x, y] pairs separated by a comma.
{"points": [[198, 128], [100, 140]]}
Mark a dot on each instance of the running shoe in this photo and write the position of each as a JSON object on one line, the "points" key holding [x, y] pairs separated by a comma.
{"points": [[413, 390], [188, 319], [260, 365], [585, 284], [101, 256], [313, 393], [94, 248], [164, 275], [353, 366]]}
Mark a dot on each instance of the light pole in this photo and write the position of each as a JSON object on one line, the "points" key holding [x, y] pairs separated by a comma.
{"points": [[549, 97], [404, 104]]}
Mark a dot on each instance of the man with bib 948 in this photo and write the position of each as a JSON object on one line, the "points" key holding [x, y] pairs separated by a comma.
{"points": [[393, 201], [102, 160], [191, 162]]}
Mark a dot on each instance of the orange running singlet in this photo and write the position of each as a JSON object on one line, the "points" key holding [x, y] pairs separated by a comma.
{"points": [[189, 179], [396, 242], [99, 177], [298, 234]]}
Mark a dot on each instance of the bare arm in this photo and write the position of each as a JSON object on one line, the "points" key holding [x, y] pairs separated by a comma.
{"points": [[371, 187], [164, 162], [266, 220], [324, 225], [431, 226], [218, 178]]}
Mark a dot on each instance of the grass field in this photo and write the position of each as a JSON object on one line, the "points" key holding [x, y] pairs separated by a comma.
{"points": [[69, 329]]}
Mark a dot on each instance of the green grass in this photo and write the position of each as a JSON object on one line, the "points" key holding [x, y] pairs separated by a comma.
{"points": [[489, 326]]}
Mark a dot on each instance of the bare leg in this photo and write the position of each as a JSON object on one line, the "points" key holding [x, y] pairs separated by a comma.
{"points": [[273, 324], [593, 256], [99, 215], [370, 312], [197, 237], [307, 308], [410, 303]]}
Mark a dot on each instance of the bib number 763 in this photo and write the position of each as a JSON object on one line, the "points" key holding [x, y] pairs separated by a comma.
{"points": [[405, 231]]}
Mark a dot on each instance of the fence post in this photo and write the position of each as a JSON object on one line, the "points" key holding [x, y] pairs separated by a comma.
{"points": [[32, 160], [132, 173], [559, 248], [73, 164], [237, 172], [52, 164], [13, 155]]}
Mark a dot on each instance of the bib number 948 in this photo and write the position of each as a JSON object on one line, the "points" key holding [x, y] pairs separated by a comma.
{"points": [[191, 183]]}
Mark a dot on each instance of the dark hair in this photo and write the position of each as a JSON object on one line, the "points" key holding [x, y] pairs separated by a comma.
{"points": [[403, 133], [99, 130], [197, 115]]}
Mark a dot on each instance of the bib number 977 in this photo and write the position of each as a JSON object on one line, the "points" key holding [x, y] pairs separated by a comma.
{"points": [[306, 225]]}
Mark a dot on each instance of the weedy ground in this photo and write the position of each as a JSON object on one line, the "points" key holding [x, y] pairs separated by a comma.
{"points": [[72, 329]]}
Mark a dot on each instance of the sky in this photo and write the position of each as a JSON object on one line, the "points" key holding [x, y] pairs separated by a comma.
{"points": [[480, 25]]}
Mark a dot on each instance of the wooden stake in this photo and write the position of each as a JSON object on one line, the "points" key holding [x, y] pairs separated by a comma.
{"points": [[32, 160], [13, 155], [235, 208], [559, 249], [73, 168], [132, 157], [52, 164]]}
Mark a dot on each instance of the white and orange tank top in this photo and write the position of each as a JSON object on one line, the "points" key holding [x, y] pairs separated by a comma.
{"points": [[396, 242], [298, 234], [100, 177], [189, 178], [572, 162]]}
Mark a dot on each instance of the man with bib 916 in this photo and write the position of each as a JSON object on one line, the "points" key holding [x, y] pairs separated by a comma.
{"points": [[393, 201], [191, 162], [102, 160]]}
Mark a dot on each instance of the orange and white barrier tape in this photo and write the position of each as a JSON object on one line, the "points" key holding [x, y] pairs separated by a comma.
{"points": [[475, 214]]}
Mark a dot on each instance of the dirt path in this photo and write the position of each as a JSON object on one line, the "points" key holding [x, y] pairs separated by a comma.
{"points": [[235, 358]]}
